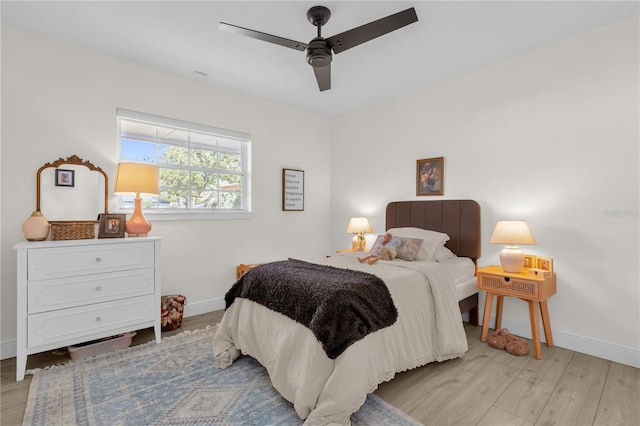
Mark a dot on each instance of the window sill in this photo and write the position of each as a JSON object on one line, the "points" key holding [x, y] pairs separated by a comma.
{"points": [[190, 215]]}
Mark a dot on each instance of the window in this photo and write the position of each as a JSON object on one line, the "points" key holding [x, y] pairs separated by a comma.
{"points": [[202, 169]]}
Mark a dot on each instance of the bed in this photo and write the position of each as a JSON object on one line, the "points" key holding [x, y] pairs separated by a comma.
{"points": [[326, 388]]}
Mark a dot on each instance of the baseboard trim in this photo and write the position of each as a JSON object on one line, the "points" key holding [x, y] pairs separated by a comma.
{"points": [[617, 353], [8, 349], [203, 307]]}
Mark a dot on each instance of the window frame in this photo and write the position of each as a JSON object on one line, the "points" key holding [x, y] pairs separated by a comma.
{"points": [[184, 213]]}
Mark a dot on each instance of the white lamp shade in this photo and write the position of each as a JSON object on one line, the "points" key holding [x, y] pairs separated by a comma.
{"points": [[512, 232], [136, 179], [359, 225]]}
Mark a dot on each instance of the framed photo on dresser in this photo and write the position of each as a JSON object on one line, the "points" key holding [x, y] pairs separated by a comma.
{"points": [[111, 225]]}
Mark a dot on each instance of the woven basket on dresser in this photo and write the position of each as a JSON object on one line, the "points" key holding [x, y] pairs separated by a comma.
{"points": [[73, 230]]}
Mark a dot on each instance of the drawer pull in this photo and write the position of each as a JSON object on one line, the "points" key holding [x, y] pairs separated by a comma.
{"points": [[98, 319], [98, 260], [507, 279], [98, 288]]}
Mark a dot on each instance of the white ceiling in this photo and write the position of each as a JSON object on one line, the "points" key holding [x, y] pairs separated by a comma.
{"points": [[450, 38]]}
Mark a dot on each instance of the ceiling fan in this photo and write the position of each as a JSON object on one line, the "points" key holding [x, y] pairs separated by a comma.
{"points": [[319, 48]]}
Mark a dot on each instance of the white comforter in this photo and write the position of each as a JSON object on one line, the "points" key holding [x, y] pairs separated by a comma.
{"points": [[325, 391]]}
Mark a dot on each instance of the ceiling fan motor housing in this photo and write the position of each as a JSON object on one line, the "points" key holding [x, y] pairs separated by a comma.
{"points": [[319, 53]]}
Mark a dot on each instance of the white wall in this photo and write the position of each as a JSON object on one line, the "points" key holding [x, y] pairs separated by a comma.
{"points": [[550, 136], [59, 100]]}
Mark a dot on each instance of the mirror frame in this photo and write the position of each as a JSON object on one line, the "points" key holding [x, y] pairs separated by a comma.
{"points": [[74, 159]]}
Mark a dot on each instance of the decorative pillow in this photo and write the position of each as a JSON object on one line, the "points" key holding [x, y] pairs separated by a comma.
{"points": [[432, 240], [377, 244], [406, 248]]}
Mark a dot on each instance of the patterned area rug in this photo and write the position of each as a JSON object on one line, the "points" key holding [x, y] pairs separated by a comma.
{"points": [[172, 383]]}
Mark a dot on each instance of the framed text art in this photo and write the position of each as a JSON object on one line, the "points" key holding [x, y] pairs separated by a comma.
{"points": [[65, 177], [430, 176], [111, 225], [292, 190]]}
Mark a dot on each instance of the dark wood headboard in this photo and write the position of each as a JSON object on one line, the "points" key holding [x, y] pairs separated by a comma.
{"points": [[460, 219]]}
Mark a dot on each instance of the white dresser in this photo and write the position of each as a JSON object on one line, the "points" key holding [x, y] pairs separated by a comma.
{"points": [[80, 290]]}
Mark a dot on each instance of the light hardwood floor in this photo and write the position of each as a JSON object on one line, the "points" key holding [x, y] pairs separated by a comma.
{"points": [[485, 387]]}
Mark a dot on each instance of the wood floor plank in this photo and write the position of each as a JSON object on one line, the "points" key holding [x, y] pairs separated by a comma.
{"points": [[498, 417], [422, 397], [575, 400], [591, 363], [528, 394], [620, 401], [407, 382], [475, 398]]}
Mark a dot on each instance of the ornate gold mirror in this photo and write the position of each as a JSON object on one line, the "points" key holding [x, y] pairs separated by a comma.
{"points": [[69, 193]]}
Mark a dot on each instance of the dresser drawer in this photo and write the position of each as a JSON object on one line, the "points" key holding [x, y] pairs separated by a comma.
{"points": [[59, 293], [49, 263], [508, 285], [74, 325]]}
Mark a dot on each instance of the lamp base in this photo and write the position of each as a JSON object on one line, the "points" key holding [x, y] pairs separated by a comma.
{"points": [[137, 225], [355, 243], [512, 259], [136, 235]]}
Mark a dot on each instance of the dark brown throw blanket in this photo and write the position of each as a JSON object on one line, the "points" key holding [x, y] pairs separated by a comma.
{"points": [[340, 306]]}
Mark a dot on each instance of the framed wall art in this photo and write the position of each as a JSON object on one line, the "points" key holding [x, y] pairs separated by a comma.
{"points": [[111, 225], [430, 176], [292, 190], [65, 177]]}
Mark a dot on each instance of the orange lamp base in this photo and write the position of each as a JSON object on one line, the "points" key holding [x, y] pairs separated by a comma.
{"points": [[137, 225]]}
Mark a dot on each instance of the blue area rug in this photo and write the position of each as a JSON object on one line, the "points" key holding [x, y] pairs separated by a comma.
{"points": [[172, 383]]}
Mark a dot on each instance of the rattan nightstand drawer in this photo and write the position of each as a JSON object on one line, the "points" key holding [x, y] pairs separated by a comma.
{"points": [[508, 286]]}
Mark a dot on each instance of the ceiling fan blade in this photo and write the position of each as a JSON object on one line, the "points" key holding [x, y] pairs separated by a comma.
{"points": [[323, 76], [263, 36], [356, 36]]}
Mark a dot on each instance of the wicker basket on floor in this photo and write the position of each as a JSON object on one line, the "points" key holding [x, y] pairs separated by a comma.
{"points": [[171, 311]]}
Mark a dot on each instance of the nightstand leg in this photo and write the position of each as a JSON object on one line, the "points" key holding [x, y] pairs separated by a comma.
{"points": [[499, 312], [488, 301], [546, 323], [535, 329]]}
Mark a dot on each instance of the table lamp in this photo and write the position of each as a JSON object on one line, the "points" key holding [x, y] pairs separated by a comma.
{"points": [[512, 232], [358, 226], [139, 180]]}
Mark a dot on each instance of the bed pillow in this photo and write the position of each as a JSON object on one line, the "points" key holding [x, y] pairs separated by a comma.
{"points": [[443, 254], [406, 248], [432, 240]]}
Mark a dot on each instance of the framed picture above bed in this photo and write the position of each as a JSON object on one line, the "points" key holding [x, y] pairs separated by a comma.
{"points": [[430, 176]]}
